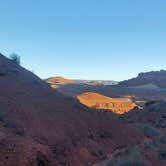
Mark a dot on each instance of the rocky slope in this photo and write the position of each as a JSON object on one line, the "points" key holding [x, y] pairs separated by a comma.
{"points": [[40, 127], [151, 151], [98, 101], [155, 78]]}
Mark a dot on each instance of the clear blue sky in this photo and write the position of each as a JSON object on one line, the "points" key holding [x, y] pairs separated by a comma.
{"points": [[85, 39]]}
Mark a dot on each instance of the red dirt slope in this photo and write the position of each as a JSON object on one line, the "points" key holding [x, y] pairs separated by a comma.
{"points": [[40, 127]]}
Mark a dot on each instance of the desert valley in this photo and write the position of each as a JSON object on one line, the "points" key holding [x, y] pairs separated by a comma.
{"points": [[83, 83], [63, 122]]}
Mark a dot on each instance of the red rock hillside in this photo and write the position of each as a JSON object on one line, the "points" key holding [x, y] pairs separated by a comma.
{"points": [[40, 127]]}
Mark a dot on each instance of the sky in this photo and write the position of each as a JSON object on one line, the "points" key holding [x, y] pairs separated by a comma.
{"points": [[85, 39]]}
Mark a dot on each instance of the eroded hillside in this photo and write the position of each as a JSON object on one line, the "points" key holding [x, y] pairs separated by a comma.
{"points": [[49, 129], [41, 127]]}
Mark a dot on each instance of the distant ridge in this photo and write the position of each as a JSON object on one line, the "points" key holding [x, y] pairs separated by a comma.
{"points": [[156, 78], [99, 82], [58, 80]]}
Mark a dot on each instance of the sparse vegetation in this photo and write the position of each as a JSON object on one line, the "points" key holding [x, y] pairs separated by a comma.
{"points": [[148, 130], [42, 160], [2, 137], [128, 162], [161, 123], [162, 154], [133, 158], [99, 153], [159, 141], [2, 115], [15, 58], [16, 129]]}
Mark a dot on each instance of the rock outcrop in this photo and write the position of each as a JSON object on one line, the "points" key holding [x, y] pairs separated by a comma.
{"points": [[98, 101]]}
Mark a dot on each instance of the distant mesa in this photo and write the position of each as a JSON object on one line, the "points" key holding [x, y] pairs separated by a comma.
{"points": [[153, 79], [98, 82], [55, 81], [95, 83], [98, 101]]}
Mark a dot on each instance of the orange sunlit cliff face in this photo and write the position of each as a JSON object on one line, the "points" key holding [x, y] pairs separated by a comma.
{"points": [[98, 101]]}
